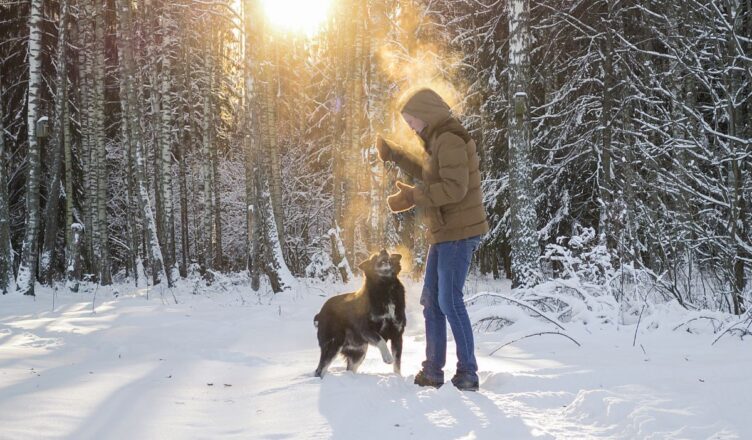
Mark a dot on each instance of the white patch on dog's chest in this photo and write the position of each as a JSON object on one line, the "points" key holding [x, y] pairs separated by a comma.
{"points": [[385, 318], [388, 316], [390, 312]]}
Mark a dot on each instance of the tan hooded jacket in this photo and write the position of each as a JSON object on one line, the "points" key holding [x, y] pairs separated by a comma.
{"points": [[450, 190]]}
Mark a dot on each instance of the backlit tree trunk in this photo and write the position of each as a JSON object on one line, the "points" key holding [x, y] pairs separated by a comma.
{"points": [[271, 88], [265, 248]]}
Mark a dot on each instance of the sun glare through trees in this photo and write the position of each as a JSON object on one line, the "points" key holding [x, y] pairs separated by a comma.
{"points": [[299, 16]]}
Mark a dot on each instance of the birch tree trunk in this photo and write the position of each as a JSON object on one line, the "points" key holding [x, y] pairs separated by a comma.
{"points": [[273, 262], [27, 269], [338, 255], [73, 263], [69, 196], [353, 169], [736, 125], [265, 247], [217, 210], [6, 251], [133, 119], [339, 135], [80, 99], [269, 257], [606, 191], [183, 189], [131, 210], [57, 141], [522, 204], [270, 138], [378, 26], [103, 247], [182, 147], [87, 87], [168, 224], [208, 252], [155, 165], [253, 231], [250, 125]]}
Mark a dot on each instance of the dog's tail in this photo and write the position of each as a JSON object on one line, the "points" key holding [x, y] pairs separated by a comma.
{"points": [[316, 321]]}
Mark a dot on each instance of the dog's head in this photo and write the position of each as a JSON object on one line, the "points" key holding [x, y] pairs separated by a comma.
{"points": [[381, 265]]}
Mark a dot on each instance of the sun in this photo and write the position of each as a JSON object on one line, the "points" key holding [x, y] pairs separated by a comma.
{"points": [[299, 16]]}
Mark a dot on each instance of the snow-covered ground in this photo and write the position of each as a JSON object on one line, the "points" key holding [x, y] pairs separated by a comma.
{"points": [[235, 364]]}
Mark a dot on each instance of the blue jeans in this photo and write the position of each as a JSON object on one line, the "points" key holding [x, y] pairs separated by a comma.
{"points": [[446, 271]]}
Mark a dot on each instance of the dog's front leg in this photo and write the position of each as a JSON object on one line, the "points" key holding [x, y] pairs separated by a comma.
{"points": [[379, 342], [385, 354], [396, 344]]}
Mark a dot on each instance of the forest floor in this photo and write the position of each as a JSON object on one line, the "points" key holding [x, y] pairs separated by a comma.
{"points": [[230, 363]]}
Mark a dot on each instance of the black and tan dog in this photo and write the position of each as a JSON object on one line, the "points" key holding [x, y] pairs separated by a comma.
{"points": [[373, 315]]}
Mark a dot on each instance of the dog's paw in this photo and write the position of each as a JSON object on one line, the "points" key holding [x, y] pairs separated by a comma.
{"points": [[388, 359]]}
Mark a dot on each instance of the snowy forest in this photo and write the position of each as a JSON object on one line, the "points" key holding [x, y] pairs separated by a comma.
{"points": [[150, 138], [184, 183]]}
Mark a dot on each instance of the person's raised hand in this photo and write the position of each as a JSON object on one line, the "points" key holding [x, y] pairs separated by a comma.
{"points": [[403, 200]]}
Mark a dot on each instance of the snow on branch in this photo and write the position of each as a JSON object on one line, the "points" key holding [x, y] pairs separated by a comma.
{"points": [[535, 334], [514, 301]]}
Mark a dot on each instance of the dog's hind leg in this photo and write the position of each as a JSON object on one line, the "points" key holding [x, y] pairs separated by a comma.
{"points": [[355, 357], [328, 351]]}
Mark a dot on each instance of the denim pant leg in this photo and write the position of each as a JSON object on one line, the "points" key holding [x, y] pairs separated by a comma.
{"points": [[454, 262], [436, 335]]}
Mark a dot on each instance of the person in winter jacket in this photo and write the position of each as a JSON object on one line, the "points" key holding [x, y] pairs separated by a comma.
{"points": [[449, 192]]}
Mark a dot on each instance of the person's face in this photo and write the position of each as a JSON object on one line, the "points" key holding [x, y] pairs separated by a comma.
{"points": [[416, 124]]}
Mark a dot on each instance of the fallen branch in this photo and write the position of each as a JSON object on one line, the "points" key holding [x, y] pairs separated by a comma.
{"points": [[710, 318], [535, 334], [733, 327], [500, 322], [512, 300]]}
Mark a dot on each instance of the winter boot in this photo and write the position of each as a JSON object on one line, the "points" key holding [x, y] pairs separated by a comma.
{"points": [[464, 383], [422, 380]]}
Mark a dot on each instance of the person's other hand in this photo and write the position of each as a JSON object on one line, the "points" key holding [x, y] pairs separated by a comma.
{"points": [[402, 200], [385, 152]]}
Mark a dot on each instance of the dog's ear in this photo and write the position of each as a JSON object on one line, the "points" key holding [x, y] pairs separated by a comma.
{"points": [[367, 265], [395, 259]]}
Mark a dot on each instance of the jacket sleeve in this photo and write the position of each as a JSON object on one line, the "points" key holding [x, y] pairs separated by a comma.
{"points": [[454, 174], [405, 161]]}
